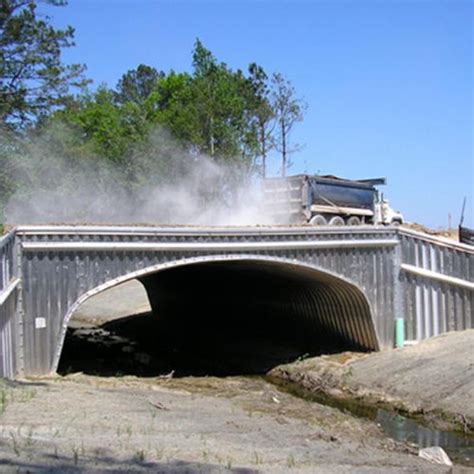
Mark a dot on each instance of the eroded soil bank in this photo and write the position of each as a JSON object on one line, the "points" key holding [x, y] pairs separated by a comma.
{"points": [[84, 423], [109, 422], [433, 379]]}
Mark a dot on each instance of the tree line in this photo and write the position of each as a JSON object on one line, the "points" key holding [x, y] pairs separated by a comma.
{"points": [[232, 116]]}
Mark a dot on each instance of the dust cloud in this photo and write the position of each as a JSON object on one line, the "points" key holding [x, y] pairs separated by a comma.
{"points": [[58, 180]]}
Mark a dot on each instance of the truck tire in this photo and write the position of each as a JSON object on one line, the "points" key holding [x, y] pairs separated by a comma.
{"points": [[353, 220], [337, 220], [318, 219]]}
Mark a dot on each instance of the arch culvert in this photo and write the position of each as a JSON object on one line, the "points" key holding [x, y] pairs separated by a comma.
{"points": [[246, 316]]}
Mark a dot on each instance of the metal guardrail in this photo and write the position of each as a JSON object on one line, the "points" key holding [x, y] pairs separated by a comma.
{"points": [[6, 292], [437, 280], [438, 240], [203, 247], [176, 231], [438, 276]]}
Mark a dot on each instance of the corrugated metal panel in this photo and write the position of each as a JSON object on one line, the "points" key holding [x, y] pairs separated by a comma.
{"points": [[438, 285], [10, 344], [310, 301], [7, 261], [56, 279]]}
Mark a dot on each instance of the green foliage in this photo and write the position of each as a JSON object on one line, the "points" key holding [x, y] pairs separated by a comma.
{"points": [[137, 84], [221, 103], [33, 79], [263, 113], [214, 111], [108, 129], [151, 129], [9, 144], [171, 104], [7, 185]]}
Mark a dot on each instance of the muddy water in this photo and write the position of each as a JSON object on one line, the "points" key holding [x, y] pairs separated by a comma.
{"points": [[459, 446], [130, 347]]}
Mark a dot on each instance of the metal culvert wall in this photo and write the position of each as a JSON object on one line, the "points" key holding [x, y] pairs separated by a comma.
{"points": [[9, 333], [62, 266], [402, 274], [261, 297], [7, 268], [438, 286], [9, 322]]}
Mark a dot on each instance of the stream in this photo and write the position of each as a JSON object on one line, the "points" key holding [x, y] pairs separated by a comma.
{"points": [[126, 347], [459, 446]]}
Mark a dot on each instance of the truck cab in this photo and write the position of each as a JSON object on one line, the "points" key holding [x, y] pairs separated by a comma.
{"points": [[384, 214]]}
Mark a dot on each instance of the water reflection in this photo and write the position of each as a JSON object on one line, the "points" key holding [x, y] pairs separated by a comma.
{"points": [[459, 448]]}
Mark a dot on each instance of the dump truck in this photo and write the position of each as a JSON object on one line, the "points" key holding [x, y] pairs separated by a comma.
{"points": [[327, 200]]}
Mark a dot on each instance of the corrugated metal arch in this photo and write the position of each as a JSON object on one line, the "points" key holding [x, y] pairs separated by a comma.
{"points": [[323, 300]]}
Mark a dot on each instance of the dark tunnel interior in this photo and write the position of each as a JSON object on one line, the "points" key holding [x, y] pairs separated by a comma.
{"points": [[232, 317]]}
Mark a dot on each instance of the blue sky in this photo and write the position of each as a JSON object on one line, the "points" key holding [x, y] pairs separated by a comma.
{"points": [[389, 84]]}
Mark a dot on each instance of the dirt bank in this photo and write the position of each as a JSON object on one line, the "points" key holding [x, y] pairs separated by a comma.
{"points": [[82, 423], [434, 379]]}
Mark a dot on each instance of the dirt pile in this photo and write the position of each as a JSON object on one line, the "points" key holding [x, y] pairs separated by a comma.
{"points": [[440, 232], [434, 379]]}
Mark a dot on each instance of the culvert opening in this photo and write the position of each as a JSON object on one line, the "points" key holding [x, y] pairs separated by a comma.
{"points": [[92, 345], [225, 318]]}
